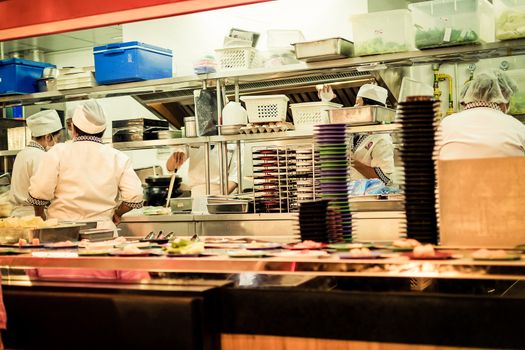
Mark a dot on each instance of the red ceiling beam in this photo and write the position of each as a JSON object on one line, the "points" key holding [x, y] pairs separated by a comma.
{"points": [[23, 18]]}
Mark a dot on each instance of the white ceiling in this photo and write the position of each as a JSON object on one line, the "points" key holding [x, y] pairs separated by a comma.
{"points": [[66, 41]]}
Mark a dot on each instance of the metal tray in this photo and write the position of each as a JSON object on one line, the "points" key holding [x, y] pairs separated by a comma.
{"points": [[324, 50], [228, 208], [364, 115], [56, 234]]}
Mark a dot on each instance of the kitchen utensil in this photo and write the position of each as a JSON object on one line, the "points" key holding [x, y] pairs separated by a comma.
{"points": [[170, 189], [228, 207], [190, 126], [181, 204], [362, 115], [231, 129]]}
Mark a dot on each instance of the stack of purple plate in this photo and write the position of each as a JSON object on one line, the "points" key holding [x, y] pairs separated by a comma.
{"points": [[419, 119], [333, 170]]}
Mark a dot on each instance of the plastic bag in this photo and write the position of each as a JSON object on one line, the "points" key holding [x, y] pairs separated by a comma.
{"points": [[206, 112]]}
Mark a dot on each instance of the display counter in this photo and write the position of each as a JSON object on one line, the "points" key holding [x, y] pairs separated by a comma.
{"points": [[193, 303]]}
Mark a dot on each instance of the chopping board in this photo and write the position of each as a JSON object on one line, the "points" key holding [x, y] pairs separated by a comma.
{"points": [[481, 202]]}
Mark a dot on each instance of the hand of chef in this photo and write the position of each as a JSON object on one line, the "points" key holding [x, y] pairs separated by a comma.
{"points": [[116, 219], [175, 161]]}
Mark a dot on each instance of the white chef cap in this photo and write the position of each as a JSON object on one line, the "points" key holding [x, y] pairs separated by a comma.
{"points": [[373, 92], [489, 86], [44, 122], [90, 118]]}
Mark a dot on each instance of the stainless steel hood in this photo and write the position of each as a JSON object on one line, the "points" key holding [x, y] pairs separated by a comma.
{"points": [[174, 106]]}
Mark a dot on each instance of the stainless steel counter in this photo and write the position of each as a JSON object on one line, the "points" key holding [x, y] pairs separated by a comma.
{"points": [[279, 227]]}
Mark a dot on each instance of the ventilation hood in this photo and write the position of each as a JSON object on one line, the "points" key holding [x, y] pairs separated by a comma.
{"points": [[174, 106]]}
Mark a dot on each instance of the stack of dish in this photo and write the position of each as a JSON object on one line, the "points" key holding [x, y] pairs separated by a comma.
{"points": [[305, 177], [273, 170], [419, 119], [313, 221], [334, 168]]}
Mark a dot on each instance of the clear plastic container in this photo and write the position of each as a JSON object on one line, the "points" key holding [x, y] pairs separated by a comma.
{"points": [[517, 101], [510, 19], [382, 32], [441, 23]]}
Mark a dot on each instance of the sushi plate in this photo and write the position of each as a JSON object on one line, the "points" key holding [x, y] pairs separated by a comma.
{"points": [[348, 246], [247, 254], [300, 254], [373, 255], [11, 251], [437, 256]]}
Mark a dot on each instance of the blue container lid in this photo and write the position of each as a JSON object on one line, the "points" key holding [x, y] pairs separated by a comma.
{"points": [[132, 45], [21, 61]]}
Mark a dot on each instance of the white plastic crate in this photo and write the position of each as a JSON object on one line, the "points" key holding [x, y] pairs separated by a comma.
{"points": [[237, 58], [306, 115], [266, 108]]}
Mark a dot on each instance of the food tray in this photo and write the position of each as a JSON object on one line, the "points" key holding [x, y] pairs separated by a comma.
{"points": [[364, 115], [324, 50]]}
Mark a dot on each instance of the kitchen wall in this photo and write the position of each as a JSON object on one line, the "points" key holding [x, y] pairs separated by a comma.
{"points": [[194, 35]]}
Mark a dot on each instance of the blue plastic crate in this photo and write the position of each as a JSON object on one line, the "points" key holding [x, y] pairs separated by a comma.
{"points": [[19, 76], [131, 61]]}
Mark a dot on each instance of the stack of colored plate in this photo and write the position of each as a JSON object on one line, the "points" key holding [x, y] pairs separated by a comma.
{"points": [[313, 221], [419, 120], [305, 179], [273, 170], [333, 169]]}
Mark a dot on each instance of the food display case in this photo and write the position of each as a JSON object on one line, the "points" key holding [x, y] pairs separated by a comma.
{"points": [[210, 302]]}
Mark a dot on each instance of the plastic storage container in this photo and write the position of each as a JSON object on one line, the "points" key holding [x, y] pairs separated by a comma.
{"points": [[382, 32], [266, 108], [237, 58], [442, 23], [510, 19], [517, 101], [131, 61], [20, 76], [306, 115]]}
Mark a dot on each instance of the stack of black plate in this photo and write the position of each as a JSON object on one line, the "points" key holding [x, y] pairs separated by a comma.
{"points": [[313, 221], [333, 170], [419, 119]]}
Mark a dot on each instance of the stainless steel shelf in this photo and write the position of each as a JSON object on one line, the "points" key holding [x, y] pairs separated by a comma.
{"points": [[214, 139], [465, 53], [9, 153], [373, 128]]}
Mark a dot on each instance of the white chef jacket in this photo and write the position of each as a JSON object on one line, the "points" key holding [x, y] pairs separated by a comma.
{"points": [[25, 166], [85, 181], [193, 173], [376, 151], [481, 132]]}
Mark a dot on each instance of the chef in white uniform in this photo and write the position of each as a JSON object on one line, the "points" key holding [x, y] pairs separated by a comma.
{"points": [[86, 180], [483, 129], [189, 163], [373, 155], [45, 129]]}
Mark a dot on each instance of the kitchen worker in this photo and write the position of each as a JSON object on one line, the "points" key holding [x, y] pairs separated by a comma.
{"points": [[86, 180], [373, 155], [45, 127], [190, 163], [483, 129], [69, 123]]}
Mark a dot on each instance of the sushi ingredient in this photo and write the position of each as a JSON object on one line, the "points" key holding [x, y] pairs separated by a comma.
{"points": [[406, 243], [489, 254], [435, 37], [378, 45], [510, 24], [424, 251], [360, 252]]}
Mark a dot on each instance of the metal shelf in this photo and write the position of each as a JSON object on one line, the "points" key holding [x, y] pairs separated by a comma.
{"points": [[465, 53], [9, 153], [374, 128], [274, 136]]}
